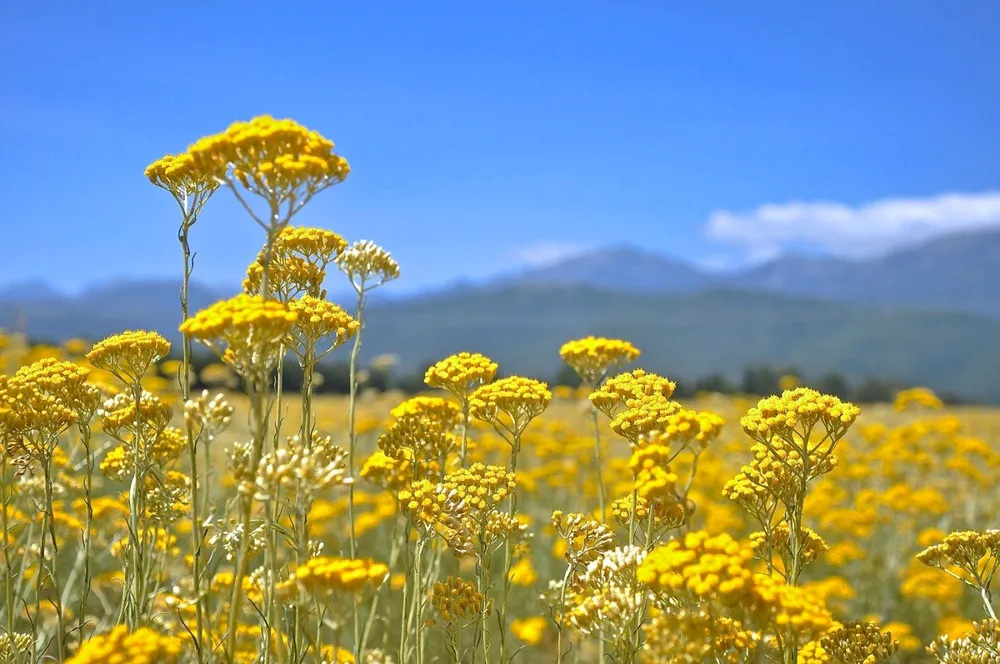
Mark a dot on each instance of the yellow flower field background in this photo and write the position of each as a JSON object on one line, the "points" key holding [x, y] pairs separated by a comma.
{"points": [[490, 519]]}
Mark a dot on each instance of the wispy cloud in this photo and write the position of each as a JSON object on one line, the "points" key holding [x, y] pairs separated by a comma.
{"points": [[854, 231], [548, 253]]}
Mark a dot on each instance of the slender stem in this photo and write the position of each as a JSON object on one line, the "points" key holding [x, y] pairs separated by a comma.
{"points": [[598, 466], [88, 502], [352, 444], [197, 533], [8, 568], [54, 574]]}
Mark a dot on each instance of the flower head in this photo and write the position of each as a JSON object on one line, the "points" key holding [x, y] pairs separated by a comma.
{"points": [[129, 355], [510, 403], [279, 160], [593, 357], [367, 265], [461, 373], [248, 328], [143, 646]]}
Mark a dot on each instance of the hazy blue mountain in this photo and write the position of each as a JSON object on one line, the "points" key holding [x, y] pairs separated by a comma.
{"points": [[692, 335], [959, 272], [625, 268], [926, 315]]}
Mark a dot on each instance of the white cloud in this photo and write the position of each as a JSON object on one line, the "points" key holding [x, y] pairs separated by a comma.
{"points": [[548, 253], [849, 231]]}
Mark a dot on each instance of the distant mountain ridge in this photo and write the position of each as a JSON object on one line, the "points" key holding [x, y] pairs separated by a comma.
{"points": [[928, 315], [959, 272]]}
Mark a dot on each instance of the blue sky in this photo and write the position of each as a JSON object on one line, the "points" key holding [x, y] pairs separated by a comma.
{"points": [[487, 136]]}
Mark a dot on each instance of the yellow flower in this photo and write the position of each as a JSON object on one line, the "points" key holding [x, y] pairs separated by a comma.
{"points": [[129, 355], [143, 646], [530, 630], [279, 160], [460, 374], [593, 357], [519, 399], [523, 573], [323, 575], [246, 327]]}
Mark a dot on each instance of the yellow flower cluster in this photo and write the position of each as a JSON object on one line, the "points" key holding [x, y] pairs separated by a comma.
{"points": [[520, 399], [461, 373], [443, 412], [798, 410], [389, 472], [121, 420], [701, 566], [248, 327], [41, 400], [860, 643], [143, 646], [976, 553], [180, 175], [418, 437], [618, 391], [916, 397], [300, 256], [318, 319], [482, 488], [437, 508], [593, 357], [129, 355], [273, 158], [323, 575], [654, 481], [456, 600]]}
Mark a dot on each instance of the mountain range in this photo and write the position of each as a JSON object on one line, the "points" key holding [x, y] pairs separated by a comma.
{"points": [[925, 315], [959, 272]]}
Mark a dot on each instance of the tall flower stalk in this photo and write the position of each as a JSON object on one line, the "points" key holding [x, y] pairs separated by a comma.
{"points": [[367, 266], [190, 189]]}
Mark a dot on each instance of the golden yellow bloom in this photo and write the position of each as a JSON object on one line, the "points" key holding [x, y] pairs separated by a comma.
{"points": [[180, 175], [975, 554], [482, 488], [337, 655], [701, 566], [530, 630], [798, 410], [275, 159], [40, 401], [916, 397], [462, 373], [593, 357], [247, 327], [519, 399], [324, 575], [433, 508], [143, 646], [441, 411], [523, 573], [299, 259], [318, 319], [617, 392], [129, 355]]}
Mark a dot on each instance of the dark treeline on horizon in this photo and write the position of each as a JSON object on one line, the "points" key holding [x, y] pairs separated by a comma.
{"points": [[759, 380]]}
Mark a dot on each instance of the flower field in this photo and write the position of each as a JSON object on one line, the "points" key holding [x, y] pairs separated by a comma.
{"points": [[491, 519]]}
